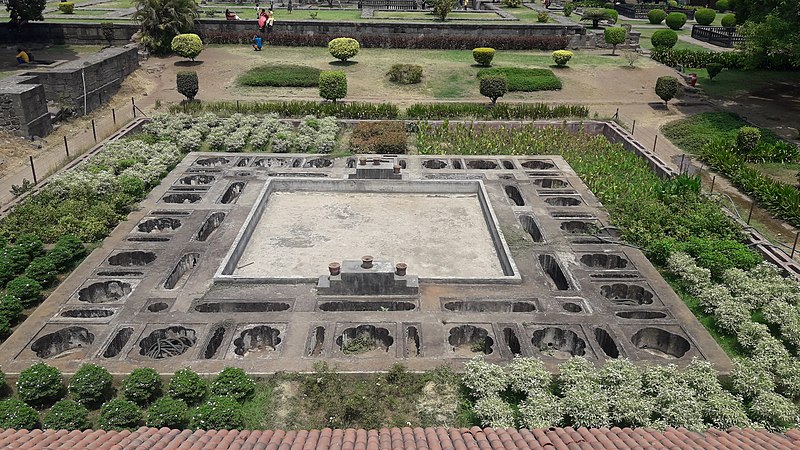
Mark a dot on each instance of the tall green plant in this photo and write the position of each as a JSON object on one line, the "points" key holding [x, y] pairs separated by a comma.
{"points": [[25, 10], [162, 20], [442, 8]]}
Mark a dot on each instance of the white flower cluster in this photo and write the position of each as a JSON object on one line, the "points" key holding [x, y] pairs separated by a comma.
{"points": [[494, 412]]}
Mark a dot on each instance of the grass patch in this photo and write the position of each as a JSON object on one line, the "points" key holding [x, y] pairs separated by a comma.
{"points": [[525, 80], [785, 173], [692, 133], [733, 82], [281, 75]]}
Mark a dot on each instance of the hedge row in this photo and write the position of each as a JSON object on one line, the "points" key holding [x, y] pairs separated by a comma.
{"points": [[697, 59]]}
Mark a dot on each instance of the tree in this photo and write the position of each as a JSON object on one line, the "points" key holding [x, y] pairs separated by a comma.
{"points": [[493, 87], [772, 31], [441, 8], [162, 20], [615, 36], [26, 10], [187, 45], [667, 88], [595, 15]]}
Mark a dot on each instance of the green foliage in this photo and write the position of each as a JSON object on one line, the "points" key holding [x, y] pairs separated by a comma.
{"points": [[713, 69], [187, 385], [483, 56], [167, 412], [343, 48], [524, 80], [615, 36], [697, 58], [528, 111], [656, 16], [512, 3], [17, 415], [187, 83], [10, 310], [26, 290], [142, 386], [568, 9], [562, 57], [108, 32], [234, 383], [612, 14], [378, 137], [728, 20], [405, 73], [91, 384], [25, 10], [354, 110], [676, 20], [722, 5], [716, 255], [187, 45], [119, 415], [30, 244], [67, 251], [705, 16], [667, 88], [747, 139], [66, 7], [774, 41], [442, 8], [67, 415], [542, 17], [162, 20], [595, 15], [218, 413], [281, 75], [692, 133], [40, 384], [493, 86], [332, 85], [42, 270]]}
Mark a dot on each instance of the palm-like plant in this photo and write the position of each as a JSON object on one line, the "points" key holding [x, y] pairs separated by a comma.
{"points": [[595, 15], [162, 20]]}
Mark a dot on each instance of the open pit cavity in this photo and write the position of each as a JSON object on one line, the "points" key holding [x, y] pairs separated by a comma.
{"points": [[468, 340], [661, 343], [627, 294], [558, 342], [167, 342], [258, 339], [365, 340], [61, 341], [105, 291], [128, 259]]}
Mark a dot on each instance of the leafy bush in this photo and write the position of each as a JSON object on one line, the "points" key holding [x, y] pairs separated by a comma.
{"points": [[442, 8], [697, 58], [512, 3], [167, 412], [142, 386], [40, 384], [613, 15], [297, 109], [91, 384], [722, 5], [528, 111], [595, 15], [542, 17], [10, 308], [483, 56], [729, 20], [713, 69], [218, 413], [26, 290], [187, 45], [187, 83], [67, 415], [332, 85], [664, 38], [562, 57], [66, 7], [747, 139], [405, 73], [186, 385], [280, 75], [705, 16], [119, 415], [16, 414], [42, 270], [676, 20], [31, 244], [615, 36], [493, 86], [656, 16], [524, 80], [667, 88], [233, 382], [378, 137], [67, 251], [568, 9], [343, 48]]}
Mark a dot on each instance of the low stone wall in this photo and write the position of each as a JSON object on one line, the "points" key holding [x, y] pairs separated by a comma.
{"points": [[65, 33], [83, 84]]}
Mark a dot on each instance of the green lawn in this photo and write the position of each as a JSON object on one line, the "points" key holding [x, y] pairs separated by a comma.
{"points": [[647, 34], [420, 15], [280, 75], [691, 133], [79, 12], [733, 82]]}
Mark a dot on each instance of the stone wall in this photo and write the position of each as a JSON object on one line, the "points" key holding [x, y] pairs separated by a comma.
{"points": [[65, 33], [23, 107]]}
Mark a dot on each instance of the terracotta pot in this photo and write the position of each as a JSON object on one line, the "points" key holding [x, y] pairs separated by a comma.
{"points": [[334, 268], [397, 168], [400, 269], [376, 162], [366, 262], [362, 161]]}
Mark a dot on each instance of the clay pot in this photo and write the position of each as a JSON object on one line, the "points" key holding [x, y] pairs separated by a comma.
{"points": [[376, 162], [366, 262], [362, 161], [334, 268], [400, 269], [397, 168]]}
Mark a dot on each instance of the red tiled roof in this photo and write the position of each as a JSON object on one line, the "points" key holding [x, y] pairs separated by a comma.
{"points": [[401, 439]]}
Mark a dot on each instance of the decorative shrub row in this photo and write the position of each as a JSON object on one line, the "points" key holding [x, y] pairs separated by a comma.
{"points": [[296, 109], [462, 42], [697, 59], [280, 75], [504, 111], [524, 80], [378, 137]]}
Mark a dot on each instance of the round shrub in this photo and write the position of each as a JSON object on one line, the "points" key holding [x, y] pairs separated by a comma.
{"points": [[676, 20], [30, 244], [542, 17], [664, 38], [66, 7], [10, 308], [747, 140], [613, 15], [186, 385], [562, 57], [615, 36], [27, 290], [167, 412], [119, 415], [729, 20], [68, 250], [187, 45], [15, 260], [42, 270], [142, 386], [493, 87], [714, 69], [483, 56], [656, 16], [667, 88], [67, 415], [332, 85], [704, 16], [343, 48], [218, 413], [233, 382], [722, 5], [187, 83], [16, 414], [91, 384], [40, 384], [568, 9], [405, 73]]}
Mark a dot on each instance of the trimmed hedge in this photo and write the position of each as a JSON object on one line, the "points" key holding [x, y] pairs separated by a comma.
{"points": [[119, 415], [343, 48], [705, 16], [187, 83], [187, 385], [729, 20], [525, 80], [233, 382], [562, 57], [697, 59], [405, 73], [532, 111], [656, 16], [667, 88], [187, 45], [280, 75], [16, 414], [91, 384], [483, 56], [40, 384], [296, 109], [67, 415], [218, 413], [332, 85], [676, 20], [493, 87], [664, 39], [167, 412], [142, 386]]}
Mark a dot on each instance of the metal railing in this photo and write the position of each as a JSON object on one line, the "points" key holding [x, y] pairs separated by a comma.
{"points": [[640, 11], [719, 36], [399, 5]]}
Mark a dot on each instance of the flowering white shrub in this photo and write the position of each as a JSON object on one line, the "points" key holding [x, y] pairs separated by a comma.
{"points": [[540, 409], [528, 375], [190, 141], [217, 139], [484, 379], [748, 379], [724, 411], [773, 411], [494, 412], [585, 404], [697, 278]]}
